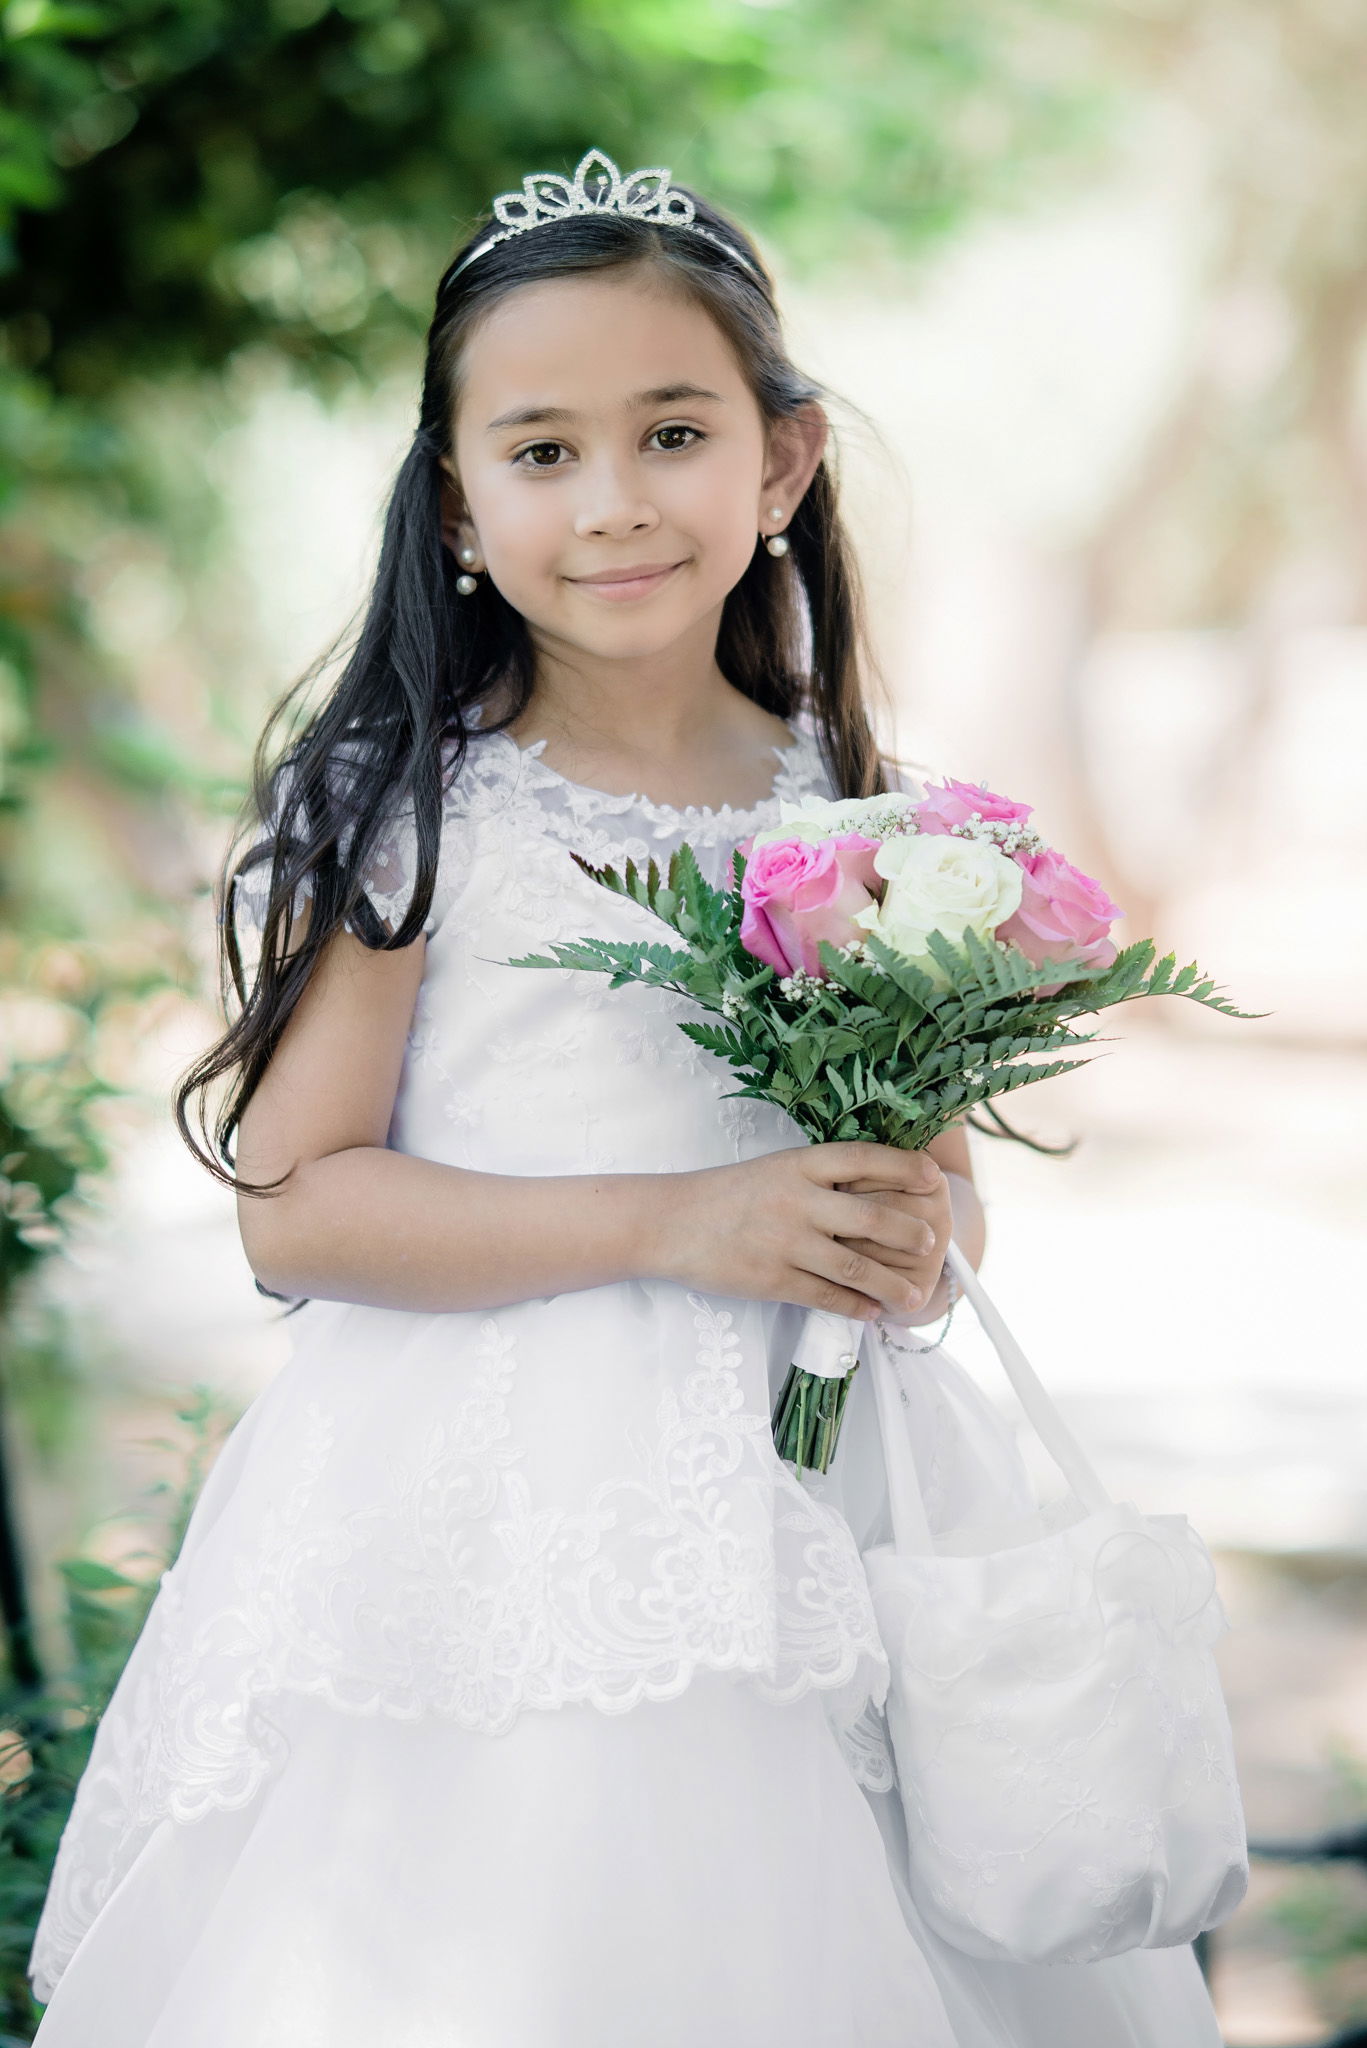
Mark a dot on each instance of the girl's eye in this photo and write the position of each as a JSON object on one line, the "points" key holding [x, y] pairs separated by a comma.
{"points": [[680, 429], [540, 448], [543, 454]]}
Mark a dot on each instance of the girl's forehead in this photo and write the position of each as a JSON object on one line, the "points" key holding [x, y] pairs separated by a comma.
{"points": [[593, 343]]}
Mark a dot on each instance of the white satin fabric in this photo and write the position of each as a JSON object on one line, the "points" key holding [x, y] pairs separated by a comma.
{"points": [[508, 1690]]}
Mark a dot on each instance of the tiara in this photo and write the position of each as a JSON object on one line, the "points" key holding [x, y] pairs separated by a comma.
{"points": [[644, 195]]}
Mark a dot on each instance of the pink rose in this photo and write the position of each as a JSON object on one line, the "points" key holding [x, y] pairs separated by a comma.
{"points": [[951, 803], [797, 894], [1064, 915]]}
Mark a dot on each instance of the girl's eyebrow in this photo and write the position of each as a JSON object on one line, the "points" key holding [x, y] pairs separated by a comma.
{"points": [[559, 415]]}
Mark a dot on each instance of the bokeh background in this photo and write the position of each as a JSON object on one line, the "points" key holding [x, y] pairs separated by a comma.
{"points": [[1086, 283]]}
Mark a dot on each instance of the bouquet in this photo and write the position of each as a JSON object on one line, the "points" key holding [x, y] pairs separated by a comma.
{"points": [[881, 965]]}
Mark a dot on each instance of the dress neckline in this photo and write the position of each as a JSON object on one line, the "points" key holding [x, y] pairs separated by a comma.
{"points": [[587, 797]]}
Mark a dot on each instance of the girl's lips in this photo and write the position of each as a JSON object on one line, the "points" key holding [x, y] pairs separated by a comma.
{"points": [[618, 591]]}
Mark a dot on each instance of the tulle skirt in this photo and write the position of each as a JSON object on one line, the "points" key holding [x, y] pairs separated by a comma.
{"points": [[702, 1872]]}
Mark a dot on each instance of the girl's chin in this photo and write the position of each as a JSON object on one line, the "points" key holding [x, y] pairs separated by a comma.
{"points": [[632, 637]]}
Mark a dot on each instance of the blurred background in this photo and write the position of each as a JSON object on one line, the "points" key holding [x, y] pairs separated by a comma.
{"points": [[1086, 283]]}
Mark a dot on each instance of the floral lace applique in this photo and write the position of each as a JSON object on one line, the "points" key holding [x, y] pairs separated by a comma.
{"points": [[391, 1609]]}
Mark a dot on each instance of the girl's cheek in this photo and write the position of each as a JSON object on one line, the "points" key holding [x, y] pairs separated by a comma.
{"points": [[528, 540]]}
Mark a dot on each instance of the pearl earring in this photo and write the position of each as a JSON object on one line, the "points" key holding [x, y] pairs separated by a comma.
{"points": [[777, 543], [467, 585]]}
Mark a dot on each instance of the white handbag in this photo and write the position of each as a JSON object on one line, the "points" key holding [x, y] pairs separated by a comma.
{"points": [[1062, 1748]]}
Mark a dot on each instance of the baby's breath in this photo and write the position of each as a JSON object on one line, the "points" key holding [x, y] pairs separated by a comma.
{"points": [[894, 823], [1011, 835], [799, 986]]}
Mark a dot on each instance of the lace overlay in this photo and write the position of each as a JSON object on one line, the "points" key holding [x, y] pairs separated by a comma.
{"points": [[475, 1515]]}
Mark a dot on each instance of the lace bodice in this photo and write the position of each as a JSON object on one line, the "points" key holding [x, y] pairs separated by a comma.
{"points": [[515, 1070]]}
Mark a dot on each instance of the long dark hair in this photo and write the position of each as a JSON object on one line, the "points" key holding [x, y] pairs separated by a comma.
{"points": [[791, 638]]}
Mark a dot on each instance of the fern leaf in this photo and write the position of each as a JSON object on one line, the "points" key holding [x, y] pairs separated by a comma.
{"points": [[1162, 975], [905, 975], [720, 1039]]}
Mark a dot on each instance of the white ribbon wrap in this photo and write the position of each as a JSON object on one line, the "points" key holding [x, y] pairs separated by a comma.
{"points": [[829, 1344]]}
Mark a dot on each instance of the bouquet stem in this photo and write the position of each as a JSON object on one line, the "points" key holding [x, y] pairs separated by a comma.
{"points": [[809, 1410], [808, 1415]]}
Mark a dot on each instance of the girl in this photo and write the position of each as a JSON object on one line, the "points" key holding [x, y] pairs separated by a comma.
{"points": [[508, 1690]]}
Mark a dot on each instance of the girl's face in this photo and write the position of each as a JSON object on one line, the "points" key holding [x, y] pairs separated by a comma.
{"points": [[611, 467]]}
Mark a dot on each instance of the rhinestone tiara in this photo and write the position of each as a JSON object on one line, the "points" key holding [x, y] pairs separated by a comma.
{"points": [[643, 195]]}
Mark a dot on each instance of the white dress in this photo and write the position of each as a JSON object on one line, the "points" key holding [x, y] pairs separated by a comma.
{"points": [[509, 1691]]}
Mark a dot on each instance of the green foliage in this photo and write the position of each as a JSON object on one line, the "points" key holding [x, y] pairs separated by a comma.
{"points": [[180, 178], [1324, 1910], [52, 1091], [877, 1048], [45, 1736]]}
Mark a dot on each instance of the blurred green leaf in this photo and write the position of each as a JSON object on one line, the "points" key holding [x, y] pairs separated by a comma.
{"points": [[91, 1576]]}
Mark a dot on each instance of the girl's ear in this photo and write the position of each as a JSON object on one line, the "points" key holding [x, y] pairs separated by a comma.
{"points": [[796, 445], [456, 530]]}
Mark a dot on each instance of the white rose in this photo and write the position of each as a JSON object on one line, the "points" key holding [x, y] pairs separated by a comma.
{"points": [[939, 883], [814, 818]]}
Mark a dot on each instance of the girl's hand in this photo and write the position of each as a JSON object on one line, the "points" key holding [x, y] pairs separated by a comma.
{"points": [[932, 1209], [856, 1228]]}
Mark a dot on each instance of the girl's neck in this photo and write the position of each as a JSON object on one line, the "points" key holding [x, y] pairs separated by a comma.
{"points": [[675, 731]]}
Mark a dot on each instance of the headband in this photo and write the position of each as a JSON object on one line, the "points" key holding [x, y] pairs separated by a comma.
{"points": [[644, 195]]}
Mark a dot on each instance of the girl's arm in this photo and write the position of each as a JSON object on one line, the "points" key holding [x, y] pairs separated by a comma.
{"points": [[358, 1222]]}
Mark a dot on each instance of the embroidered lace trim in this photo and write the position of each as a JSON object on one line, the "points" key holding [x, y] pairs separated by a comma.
{"points": [[496, 770], [192, 1729]]}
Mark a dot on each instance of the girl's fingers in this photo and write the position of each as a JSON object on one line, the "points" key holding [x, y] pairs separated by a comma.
{"points": [[915, 1173], [921, 1272], [865, 1186], [855, 1272], [809, 1292], [892, 1221]]}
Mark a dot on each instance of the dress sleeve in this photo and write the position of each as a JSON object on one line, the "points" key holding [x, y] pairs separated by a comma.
{"points": [[391, 874], [249, 887], [388, 885]]}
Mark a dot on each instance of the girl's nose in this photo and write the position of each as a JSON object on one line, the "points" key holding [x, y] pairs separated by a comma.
{"points": [[612, 505]]}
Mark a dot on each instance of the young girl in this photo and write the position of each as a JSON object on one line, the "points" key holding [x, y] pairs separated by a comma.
{"points": [[509, 1691]]}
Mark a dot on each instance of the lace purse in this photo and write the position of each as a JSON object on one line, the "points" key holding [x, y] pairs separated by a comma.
{"points": [[1062, 1747]]}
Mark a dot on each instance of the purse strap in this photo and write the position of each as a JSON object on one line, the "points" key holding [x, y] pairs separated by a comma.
{"points": [[911, 1530]]}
